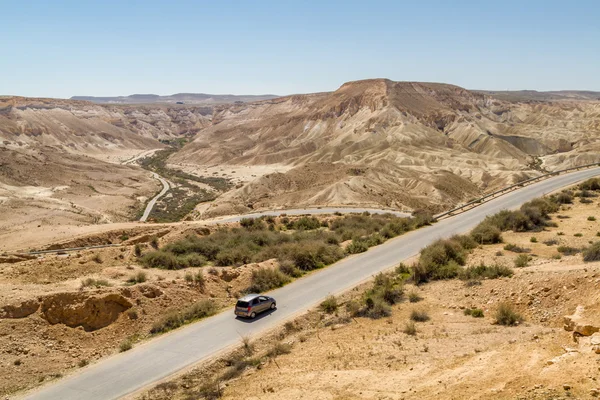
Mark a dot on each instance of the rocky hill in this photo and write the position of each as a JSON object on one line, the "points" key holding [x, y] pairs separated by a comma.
{"points": [[187, 98], [393, 144]]}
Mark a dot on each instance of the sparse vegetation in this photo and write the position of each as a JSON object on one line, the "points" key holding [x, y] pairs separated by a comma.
{"points": [[266, 279], [139, 277], [137, 250], [533, 239], [591, 218], [568, 250], [592, 253], [125, 345], [521, 261], [551, 242], [97, 258], [329, 305], [483, 271], [516, 249], [578, 235], [419, 316], [175, 319], [474, 312], [414, 297], [410, 328], [95, 283], [507, 316]]}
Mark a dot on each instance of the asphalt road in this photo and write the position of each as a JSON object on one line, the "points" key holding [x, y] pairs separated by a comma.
{"points": [[127, 372], [152, 202]]}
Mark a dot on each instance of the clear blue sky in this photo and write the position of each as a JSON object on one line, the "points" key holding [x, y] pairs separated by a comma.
{"points": [[64, 48]]}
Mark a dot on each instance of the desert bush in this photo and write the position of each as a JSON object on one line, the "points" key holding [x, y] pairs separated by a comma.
{"points": [[414, 297], [82, 363], [357, 246], [482, 271], [175, 319], [551, 242], [466, 241], [533, 239], [289, 268], [506, 315], [564, 198], [439, 260], [376, 308], [516, 249], [160, 259], [139, 277], [410, 328], [329, 305], [592, 253], [568, 250], [584, 200], [578, 235], [590, 184], [474, 312], [521, 261], [305, 223], [252, 224], [154, 242], [266, 279], [353, 308], [96, 283], [279, 349], [137, 250], [125, 345], [419, 316], [591, 218], [486, 233]]}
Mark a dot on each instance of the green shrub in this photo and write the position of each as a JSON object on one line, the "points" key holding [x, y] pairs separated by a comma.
{"points": [[175, 319], [486, 233], [305, 223], [521, 261], [289, 268], [591, 218], [551, 242], [584, 200], [419, 316], [252, 224], [154, 242], [568, 250], [482, 271], [578, 235], [592, 253], [376, 308], [266, 279], [190, 260], [505, 315], [279, 349], [329, 305], [533, 239], [516, 249], [466, 241]]}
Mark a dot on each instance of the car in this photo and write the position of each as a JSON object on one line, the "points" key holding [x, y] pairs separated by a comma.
{"points": [[252, 304]]}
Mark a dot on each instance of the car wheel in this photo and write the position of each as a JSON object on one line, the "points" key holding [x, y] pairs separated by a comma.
{"points": [[253, 315], [273, 306]]}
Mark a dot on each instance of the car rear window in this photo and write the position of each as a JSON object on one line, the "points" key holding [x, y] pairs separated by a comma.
{"points": [[243, 304]]}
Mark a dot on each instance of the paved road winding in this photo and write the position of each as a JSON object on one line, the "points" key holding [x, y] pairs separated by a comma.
{"points": [[152, 202], [127, 372]]}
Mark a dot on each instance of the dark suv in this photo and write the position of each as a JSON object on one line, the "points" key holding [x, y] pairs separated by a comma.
{"points": [[252, 304]]}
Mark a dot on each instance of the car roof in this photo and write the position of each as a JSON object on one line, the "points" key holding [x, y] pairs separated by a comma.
{"points": [[249, 297]]}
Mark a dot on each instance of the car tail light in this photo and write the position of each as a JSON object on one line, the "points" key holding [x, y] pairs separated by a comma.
{"points": [[249, 308]]}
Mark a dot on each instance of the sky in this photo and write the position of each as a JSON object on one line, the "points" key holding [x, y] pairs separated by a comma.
{"points": [[107, 48]]}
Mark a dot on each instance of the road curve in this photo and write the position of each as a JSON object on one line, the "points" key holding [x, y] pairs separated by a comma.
{"points": [[152, 202], [128, 372]]}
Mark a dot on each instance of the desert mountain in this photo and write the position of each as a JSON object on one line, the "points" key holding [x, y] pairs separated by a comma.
{"points": [[392, 144], [533, 95], [187, 98]]}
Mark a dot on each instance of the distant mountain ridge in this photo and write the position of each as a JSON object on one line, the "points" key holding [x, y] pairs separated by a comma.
{"points": [[187, 98], [534, 95]]}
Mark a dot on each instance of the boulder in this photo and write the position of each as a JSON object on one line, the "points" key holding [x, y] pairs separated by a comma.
{"points": [[580, 324], [22, 310]]}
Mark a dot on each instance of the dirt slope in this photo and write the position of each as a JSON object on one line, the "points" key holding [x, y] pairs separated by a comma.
{"points": [[398, 144]]}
